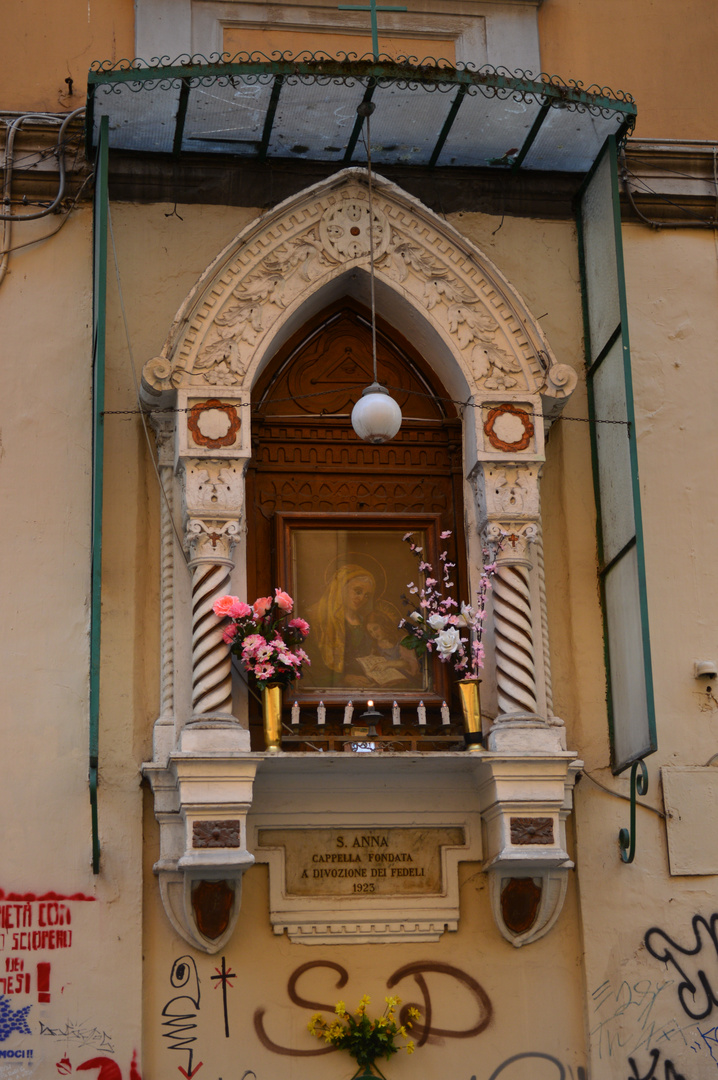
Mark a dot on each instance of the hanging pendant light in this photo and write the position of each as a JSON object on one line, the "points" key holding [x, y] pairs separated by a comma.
{"points": [[376, 417]]}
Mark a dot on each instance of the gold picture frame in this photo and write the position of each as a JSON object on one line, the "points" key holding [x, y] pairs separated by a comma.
{"points": [[349, 576]]}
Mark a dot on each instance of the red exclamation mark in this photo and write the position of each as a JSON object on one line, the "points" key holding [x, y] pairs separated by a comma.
{"points": [[43, 982]]}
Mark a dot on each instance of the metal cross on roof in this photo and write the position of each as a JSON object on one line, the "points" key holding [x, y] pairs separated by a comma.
{"points": [[373, 8]]}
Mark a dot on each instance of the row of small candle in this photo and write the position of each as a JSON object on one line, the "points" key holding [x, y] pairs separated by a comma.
{"points": [[349, 713]]}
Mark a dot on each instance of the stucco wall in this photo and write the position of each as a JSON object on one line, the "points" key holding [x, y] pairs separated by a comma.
{"points": [[597, 971], [656, 52], [53, 911]]}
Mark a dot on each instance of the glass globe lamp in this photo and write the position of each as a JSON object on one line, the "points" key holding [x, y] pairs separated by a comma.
{"points": [[376, 417]]}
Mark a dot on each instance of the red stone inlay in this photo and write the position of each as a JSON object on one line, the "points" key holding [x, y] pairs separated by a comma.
{"points": [[204, 440], [499, 444]]}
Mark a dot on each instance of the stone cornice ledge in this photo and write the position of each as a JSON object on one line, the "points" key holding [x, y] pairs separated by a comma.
{"points": [[511, 807]]}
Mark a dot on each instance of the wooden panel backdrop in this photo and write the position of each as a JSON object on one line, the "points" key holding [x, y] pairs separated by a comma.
{"points": [[306, 457]]}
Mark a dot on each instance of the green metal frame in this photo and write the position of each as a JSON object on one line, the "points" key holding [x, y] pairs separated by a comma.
{"points": [[592, 366], [99, 309], [549, 91]]}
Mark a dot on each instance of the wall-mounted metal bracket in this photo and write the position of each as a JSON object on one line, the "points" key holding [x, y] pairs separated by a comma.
{"points": [[639, 786]]}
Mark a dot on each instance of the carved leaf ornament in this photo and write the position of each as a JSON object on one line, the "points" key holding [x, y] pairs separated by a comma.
{"points": [[229, 323]]}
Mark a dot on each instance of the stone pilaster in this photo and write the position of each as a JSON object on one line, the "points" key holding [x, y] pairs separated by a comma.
{"points": [[164, 428]]}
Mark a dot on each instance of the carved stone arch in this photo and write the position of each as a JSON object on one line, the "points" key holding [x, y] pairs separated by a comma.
{"points": [[313, 248]]}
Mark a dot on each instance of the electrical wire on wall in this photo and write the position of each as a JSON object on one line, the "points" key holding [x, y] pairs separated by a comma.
{"points": [[7, 217]]}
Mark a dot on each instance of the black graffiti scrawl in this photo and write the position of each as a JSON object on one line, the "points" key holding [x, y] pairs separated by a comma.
{"points": [[696, 963]]}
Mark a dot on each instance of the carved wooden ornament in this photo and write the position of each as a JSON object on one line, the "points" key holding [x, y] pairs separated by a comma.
{"points": [[212, 905]]}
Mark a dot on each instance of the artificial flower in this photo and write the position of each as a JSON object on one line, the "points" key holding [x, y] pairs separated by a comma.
{"points": [[447, 642], [283, 600], [222, 606]]}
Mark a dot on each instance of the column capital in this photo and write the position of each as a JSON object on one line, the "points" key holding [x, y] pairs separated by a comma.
{"points": [[211, 540], [512, 540]]}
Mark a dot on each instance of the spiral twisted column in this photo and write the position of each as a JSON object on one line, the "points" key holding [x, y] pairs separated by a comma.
{"points": [[513, 622], [211, 565]]}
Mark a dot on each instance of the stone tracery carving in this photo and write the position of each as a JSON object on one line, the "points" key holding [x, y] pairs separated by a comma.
{"points": [[287, 256]]}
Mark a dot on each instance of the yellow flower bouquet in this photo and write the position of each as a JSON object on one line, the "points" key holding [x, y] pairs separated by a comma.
{"points": [[363, 1038]]}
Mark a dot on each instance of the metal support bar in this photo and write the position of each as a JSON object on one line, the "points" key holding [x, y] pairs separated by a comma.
{"points": [[99, 315], [639, 785], [181, 116], [269, 119], [531, 137], [444, 133]]}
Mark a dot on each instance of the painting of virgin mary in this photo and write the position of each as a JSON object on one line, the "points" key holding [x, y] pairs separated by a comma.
{"points": [[354, 608]]}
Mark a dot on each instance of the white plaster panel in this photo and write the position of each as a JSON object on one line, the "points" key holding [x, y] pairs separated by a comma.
{"points": [[690, 797]]}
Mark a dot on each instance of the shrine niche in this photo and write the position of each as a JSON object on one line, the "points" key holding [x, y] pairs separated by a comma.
{"points": [[251, 398], [307, 460]]}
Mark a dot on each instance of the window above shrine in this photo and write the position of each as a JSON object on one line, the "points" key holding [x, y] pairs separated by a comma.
{"points": [[503, 34]]}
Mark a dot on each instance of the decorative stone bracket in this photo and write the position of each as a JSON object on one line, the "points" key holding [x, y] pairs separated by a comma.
{"points": [[524, 804], [201, 804]]}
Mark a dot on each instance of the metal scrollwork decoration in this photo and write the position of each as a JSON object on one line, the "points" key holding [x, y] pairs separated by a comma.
{"points": [[639, 786]]}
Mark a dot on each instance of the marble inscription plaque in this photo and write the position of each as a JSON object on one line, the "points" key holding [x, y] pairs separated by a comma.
{"points": [[362, 862]]}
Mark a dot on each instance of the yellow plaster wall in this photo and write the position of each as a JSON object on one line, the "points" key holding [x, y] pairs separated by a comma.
{"points": [[661, 53], [45, 493], [262, 963], [595, 958], [248, 39], [41, 45]]}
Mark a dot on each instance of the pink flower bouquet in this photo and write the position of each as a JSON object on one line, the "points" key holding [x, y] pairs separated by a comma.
{"points": [[440, 624], [264, 637]]}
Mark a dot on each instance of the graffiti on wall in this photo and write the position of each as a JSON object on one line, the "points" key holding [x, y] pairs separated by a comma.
{"points": [[424, 1030], [181, 1013], [563, 1072], [698, 985], [37, 930], [669, 1070]]}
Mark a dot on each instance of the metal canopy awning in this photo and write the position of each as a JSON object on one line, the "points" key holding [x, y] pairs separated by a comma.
{"points": [[304, 109]]}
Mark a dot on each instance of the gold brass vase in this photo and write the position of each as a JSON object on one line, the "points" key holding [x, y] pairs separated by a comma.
{"points": [[471, 709], [272, 717]]}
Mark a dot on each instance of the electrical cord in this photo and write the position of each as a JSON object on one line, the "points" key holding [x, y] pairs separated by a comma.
{"points": [[620, 795]]}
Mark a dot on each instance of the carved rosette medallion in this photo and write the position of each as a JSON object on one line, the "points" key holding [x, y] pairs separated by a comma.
{"points": [[344, 230], [215, 834], [509, 428], [531, 830], [214, 423]]}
